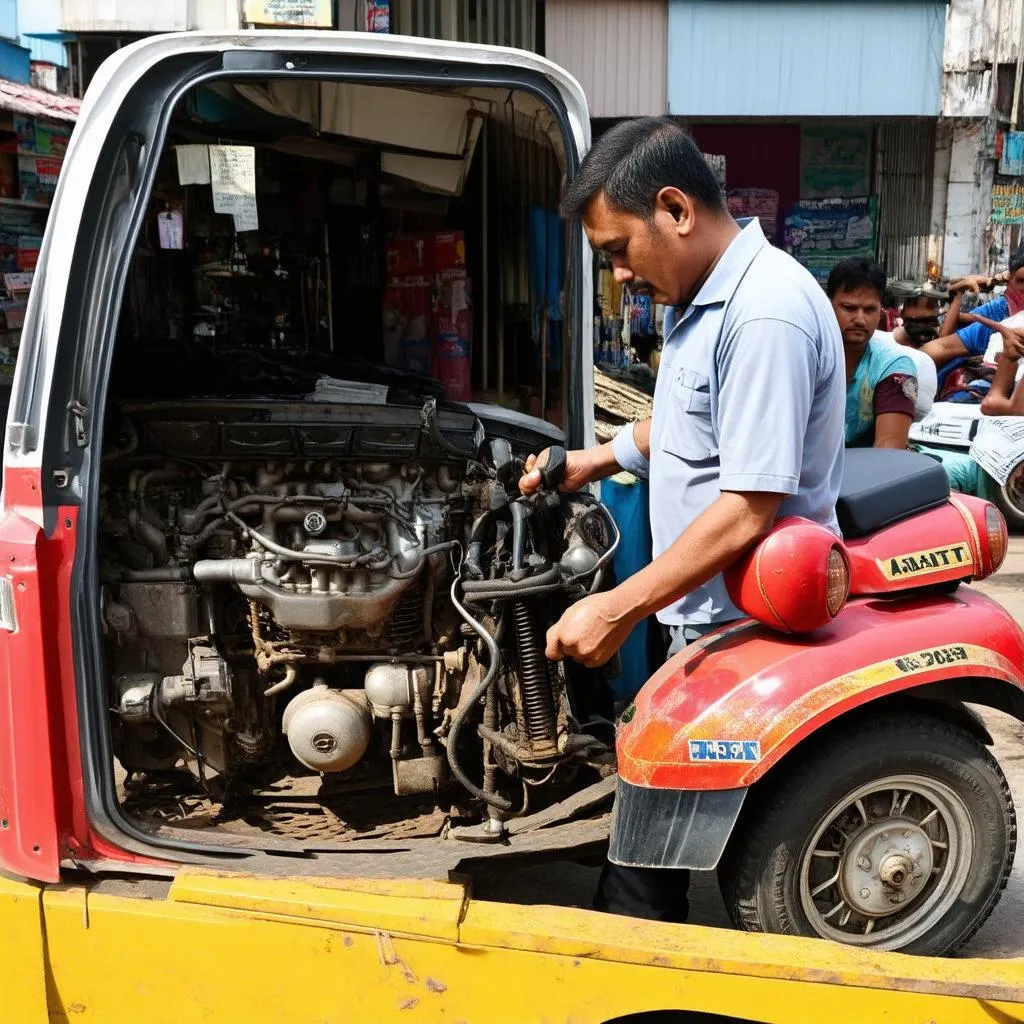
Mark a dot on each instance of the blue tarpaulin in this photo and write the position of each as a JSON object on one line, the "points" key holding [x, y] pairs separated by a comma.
{"points": [[627, 500]]}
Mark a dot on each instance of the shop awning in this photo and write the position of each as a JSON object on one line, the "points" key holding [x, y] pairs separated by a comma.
{"points": [[31, 102]]}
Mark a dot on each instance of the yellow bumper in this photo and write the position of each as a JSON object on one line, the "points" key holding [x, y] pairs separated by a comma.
{"points": [[229, 947]]}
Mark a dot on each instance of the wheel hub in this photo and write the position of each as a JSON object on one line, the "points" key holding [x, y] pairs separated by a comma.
{"points": [[886, 866]]}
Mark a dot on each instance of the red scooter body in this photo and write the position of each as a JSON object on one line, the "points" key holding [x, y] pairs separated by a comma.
{"points": [[721, 714]]}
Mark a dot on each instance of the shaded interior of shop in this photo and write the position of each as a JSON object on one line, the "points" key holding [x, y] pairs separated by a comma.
{"points": [[314, 230], [824, 189]]}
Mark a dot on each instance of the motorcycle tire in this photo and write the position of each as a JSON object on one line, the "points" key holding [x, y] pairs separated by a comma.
{"points": [[872, 801], [1009, 498]]}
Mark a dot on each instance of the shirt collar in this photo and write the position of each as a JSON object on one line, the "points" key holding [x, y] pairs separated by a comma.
{"points": [[732, 264]]}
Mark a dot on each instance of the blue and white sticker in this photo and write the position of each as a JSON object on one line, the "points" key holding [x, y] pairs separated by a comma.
{"points": [[725, 750]]}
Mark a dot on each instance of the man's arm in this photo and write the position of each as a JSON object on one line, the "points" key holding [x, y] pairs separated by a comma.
{"points": [[1006, 396], [593, 629], [973, 339], [767, 371], [892, 430], [944, 350]]}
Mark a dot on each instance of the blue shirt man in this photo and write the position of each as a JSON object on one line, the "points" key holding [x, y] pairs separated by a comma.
{"points": [[971, 341], [748, 411], [749, 398]]}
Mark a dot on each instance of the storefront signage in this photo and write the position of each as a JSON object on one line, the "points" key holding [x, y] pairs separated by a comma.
{"points": [[291, 13], [821, 232], [833, 162], [1008, 203]]}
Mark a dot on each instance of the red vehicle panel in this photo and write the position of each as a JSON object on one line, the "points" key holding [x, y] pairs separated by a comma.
{"points": [[721, 713]]}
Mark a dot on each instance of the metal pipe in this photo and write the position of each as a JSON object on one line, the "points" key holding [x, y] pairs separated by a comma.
{"points": [[291, 673], [485, 297]]}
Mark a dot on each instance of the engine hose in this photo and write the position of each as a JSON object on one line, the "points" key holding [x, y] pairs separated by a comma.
{"points": [[465, 706], [508, 590], [538, 706]]}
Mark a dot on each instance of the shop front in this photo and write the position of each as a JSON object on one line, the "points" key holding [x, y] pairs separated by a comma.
{"points": [[35, 129]]}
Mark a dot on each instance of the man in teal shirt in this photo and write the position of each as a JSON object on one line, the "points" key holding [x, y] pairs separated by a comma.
{"points": [[881, 379]]}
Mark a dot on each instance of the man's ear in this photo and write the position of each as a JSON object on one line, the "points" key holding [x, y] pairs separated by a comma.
{"points": [[678, 205]]}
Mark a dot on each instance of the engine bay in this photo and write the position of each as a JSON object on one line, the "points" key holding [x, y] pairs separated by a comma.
{"points": [[303, 599]]}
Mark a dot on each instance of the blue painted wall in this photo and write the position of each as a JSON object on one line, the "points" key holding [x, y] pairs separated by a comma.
{"points": [[14, 62], [805, 58]]}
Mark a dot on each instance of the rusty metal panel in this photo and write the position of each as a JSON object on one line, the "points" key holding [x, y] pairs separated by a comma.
{"points": [[904, 158], [618, 52], [494, 22]]}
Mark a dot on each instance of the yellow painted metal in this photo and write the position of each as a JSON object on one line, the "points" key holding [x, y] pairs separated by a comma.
{"points": [[22, 960], [237, 948]]}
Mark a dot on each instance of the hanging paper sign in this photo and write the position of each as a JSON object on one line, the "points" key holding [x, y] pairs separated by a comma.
{"points": [[233, 178], [1008, 203], [193, 165]]}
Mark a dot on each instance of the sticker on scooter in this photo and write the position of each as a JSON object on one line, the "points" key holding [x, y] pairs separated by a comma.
{"points": [[725, 750], [921, 563]]}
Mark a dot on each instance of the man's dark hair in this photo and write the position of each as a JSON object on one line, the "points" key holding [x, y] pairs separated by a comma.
{"points": [[856, 272], [633, 161], [1017, 259]]}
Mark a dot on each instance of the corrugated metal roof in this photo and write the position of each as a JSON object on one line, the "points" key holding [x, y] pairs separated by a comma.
{"points": [[24, 99], [616, 51], [805, 58]]}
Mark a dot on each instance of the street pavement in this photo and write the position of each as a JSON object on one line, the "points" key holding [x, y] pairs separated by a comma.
{"points": [[570, 883]]}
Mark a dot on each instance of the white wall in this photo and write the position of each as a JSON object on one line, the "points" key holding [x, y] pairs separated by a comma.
{"points": [[969, 199], [126, 16]]}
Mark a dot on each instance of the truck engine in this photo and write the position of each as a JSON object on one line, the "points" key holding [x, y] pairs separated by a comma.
{"points": [[356, 593]]}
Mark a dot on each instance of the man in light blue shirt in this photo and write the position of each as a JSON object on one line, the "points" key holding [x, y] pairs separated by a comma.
{"points": [[748, 410]]}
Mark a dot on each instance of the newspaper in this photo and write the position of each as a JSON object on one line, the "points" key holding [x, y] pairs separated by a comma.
{"points": [[998, 445]]}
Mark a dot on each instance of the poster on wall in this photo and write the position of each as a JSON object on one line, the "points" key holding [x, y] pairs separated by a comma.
{"points": [[290, 13], [821, 232], [1008, 202], [717, 165], [762, 203], [834, 161], [378, 15]]}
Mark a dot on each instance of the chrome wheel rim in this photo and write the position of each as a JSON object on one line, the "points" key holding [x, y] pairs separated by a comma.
{"points": [[885, 864]]}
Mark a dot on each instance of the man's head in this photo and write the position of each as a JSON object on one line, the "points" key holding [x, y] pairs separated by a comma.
{"points": [[650, 202], [920, 315], [1016, 281], [857, 290]]}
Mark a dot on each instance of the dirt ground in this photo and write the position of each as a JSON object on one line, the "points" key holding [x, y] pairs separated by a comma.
{"points": [[563, 882]]}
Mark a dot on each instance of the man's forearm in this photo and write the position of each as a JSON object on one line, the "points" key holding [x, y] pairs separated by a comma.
{"points": [[714, 540], [952, 319]]}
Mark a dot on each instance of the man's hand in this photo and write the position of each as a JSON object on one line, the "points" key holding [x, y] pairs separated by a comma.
{"points": [[580, 469], [1013, 342], [590, 631]]}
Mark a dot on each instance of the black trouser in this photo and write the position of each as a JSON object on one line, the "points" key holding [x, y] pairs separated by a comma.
{"points": [[657, 894]]}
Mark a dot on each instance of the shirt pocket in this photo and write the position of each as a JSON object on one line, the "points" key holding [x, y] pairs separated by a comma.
{"points": [[689, 433]]}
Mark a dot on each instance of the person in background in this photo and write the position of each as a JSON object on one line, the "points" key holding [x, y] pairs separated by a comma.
{"points": [[955, 346], [881, 381], [920, 324]]}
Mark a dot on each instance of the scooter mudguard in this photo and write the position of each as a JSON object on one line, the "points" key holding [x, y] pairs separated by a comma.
{"points": [[715, 718]]}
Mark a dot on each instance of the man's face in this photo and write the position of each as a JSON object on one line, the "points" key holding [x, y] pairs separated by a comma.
{"points": [[857, 311], [920, 320], [1016, 281], [657, 256]]}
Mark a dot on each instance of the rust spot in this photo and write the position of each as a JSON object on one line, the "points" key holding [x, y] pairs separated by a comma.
{"points": [[77, 1008], [409, 1004], [577, 963], [349, 941], [659, 961], [436, 986]]}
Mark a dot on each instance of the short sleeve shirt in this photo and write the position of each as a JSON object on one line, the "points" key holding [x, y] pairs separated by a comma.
{"points": [[749, 397], [976, 337], [880, 360]]}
